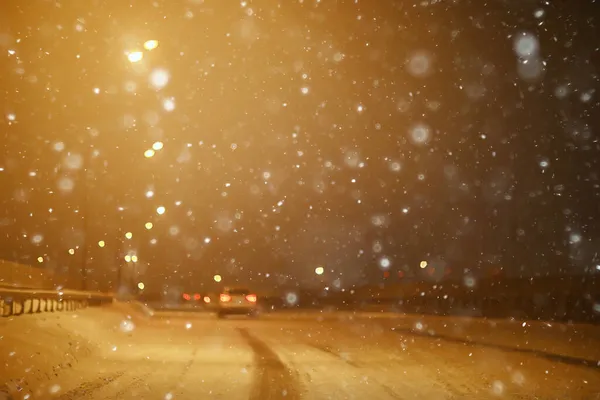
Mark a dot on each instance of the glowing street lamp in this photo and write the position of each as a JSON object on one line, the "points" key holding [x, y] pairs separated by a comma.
{"points": [[151, 44], [319, 270], [217, 278], [135, 56]]}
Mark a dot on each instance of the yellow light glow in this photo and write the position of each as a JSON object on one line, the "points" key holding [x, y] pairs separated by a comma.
{"points": [[129, 235], [135, 56], [151, 44], [40, 259], [423, 264], [217, 278], [71, 251], [157, 145], [319, 270], [149, 153], [134, 259], [149, 225], [128, 258], [141, 286], [160, 210], [101, 243]]}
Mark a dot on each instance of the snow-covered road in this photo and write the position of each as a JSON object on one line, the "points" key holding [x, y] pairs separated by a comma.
{"points": [[120, 353]]}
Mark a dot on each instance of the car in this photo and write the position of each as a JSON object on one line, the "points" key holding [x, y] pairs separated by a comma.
{"points": [[237, 301], [193, 299]]}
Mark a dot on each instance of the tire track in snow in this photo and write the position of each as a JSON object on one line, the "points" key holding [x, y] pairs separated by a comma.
{"points": [[134, 384], [88, 388], [185, 370], [329, 350], [272, 379]]}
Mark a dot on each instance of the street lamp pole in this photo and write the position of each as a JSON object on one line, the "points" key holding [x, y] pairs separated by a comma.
{"points": [[120, 255], [85, 223]]}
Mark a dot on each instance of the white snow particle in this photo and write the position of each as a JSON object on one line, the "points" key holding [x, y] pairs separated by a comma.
{"points": [[159, 78], [169, 104], [419, 64], [385, 263], [420, 134], [127, 326], [526, 45]]}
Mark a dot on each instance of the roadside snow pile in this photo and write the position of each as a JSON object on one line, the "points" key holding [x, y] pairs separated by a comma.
{"points": [[578, 341], [36, 350], [143, 307], [40, 351]]}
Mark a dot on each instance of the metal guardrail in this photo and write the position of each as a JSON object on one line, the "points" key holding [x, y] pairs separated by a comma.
{"points": [[19, 300]]}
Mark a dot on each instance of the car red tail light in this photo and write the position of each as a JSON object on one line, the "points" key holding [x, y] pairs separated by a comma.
{"points": [[197, 297], [224, 298], [186, 296], [251, 298]]}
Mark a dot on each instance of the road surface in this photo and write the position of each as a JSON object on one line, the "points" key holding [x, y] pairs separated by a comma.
{"points": [[120, 353]]}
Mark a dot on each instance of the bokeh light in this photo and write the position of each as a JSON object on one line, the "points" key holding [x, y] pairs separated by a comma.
{"points": [[135, 56], [159, 78], [151, 44], [157, 146]]}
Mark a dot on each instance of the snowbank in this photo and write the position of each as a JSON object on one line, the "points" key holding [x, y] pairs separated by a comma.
{"points": [[36, 350], [40, 351], [573, 342]]}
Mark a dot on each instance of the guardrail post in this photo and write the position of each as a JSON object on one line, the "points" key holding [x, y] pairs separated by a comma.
{"points": [[35, 305], [17, 301], [4, 308], [27, 306], [17, 307]]}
